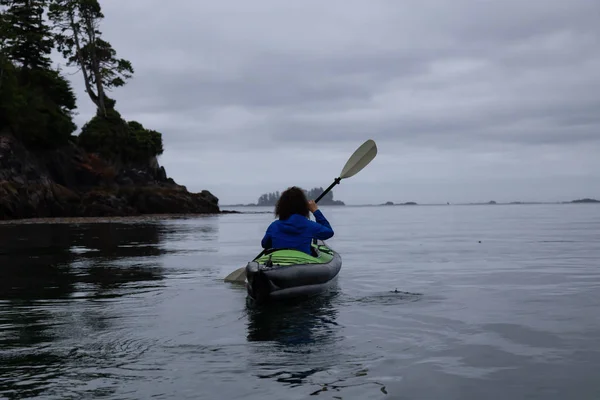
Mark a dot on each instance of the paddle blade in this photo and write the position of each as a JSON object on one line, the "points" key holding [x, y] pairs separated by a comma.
{"points": [[360, 159], [237, 276]]}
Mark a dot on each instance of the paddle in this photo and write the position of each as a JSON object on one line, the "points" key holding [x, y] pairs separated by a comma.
{"points": [[360, 159]]}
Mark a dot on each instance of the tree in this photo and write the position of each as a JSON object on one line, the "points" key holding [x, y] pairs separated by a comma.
{"points": [[270, 199], [44, 117], [36, 102], [79, 39], [146, 142], [326, 200], [26, 39], [4, 63], [114, 138]]}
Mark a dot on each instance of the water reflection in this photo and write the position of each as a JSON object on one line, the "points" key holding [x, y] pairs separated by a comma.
{"points": [[293, 323], [48, 261], [298, 339], [58, 283]]}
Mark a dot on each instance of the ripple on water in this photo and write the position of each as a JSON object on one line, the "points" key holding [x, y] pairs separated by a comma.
{"points": [[391, 298], [68, 369]]}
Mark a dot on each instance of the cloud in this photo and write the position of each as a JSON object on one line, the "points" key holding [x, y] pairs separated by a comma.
{"points": [[272, 93]]}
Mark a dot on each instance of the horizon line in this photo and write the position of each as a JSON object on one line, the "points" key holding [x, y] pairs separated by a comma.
{"points": [[406, 204]]}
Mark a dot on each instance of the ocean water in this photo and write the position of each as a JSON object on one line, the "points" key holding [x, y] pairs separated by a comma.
{"points": [[432, 302]]}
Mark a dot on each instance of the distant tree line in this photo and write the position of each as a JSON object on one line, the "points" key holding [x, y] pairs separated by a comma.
{"points": [[36, 101], [270, 199]]}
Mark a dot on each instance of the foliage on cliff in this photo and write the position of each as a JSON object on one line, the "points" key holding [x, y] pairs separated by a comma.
{"points": [[112, 137], [37, 102]]}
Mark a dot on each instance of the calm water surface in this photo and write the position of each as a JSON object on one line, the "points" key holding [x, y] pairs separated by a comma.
{"points": [[449, 302]]}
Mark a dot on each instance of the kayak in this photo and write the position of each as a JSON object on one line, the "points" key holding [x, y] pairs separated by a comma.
{"points": [[288, 273]]}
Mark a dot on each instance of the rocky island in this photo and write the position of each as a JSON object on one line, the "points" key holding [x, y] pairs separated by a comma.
{"points": [[586, 200], [111, 168], [270, 199], [391, 203]]}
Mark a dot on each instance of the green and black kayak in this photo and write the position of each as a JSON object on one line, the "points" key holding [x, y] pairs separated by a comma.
{"points": [[287, 273]]}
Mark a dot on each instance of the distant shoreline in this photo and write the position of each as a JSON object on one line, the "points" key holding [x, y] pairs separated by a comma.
{"points": [[492, 203], [170, 216]]}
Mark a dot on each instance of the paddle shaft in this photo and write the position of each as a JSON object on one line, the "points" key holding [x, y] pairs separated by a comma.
{"points": [[335, 182]]}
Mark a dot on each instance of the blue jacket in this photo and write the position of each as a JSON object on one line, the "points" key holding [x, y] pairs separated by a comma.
{"points": [[296, 232]]}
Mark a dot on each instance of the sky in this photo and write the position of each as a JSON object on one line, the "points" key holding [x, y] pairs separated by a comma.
{"points": [[467, 101]]}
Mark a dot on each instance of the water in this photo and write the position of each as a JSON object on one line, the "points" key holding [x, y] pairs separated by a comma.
{"points": [[452, 302]]}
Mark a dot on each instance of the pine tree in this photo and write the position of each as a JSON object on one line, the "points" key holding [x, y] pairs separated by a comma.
{"points": [[27, 40], [79, 40]]}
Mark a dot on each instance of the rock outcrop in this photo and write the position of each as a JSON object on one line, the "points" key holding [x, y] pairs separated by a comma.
{"points": [[68, 182]]}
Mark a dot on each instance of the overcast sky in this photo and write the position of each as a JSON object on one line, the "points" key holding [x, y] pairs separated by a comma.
{"points": [[466, 100]]}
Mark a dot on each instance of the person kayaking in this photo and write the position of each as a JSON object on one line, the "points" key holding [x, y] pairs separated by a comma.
{"points": [[294, 229]]}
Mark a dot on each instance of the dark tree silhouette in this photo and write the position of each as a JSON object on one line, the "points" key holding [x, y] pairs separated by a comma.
{"points": [[270, 199]]}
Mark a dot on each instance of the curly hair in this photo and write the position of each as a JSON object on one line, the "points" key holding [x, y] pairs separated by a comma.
{"points": [[292, 201]]}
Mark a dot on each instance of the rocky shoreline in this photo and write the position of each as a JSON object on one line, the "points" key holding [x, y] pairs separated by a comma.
{"points": [[69, 182]]}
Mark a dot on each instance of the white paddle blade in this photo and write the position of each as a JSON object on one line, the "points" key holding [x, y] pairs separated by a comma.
{"points": [[360, 159]]}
